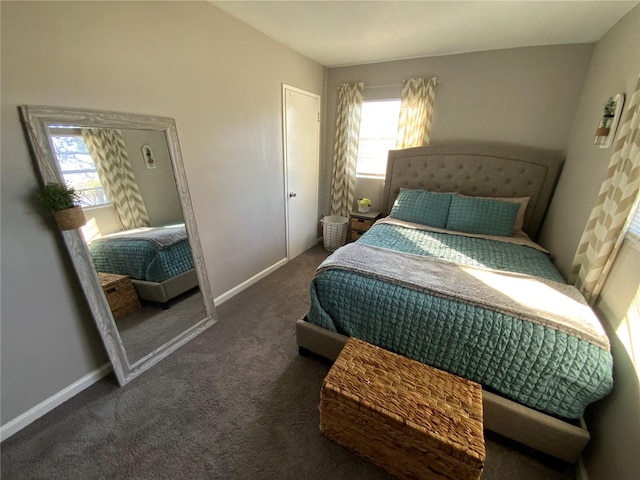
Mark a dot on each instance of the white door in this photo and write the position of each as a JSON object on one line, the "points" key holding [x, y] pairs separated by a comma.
{"points": [[301, 130]]}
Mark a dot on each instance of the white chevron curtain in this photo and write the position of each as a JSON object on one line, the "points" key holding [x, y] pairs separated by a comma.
{"points": [[416, 104], [345, 152], [107, 148], [610, 218]]}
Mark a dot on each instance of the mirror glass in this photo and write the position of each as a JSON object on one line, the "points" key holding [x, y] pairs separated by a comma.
{"points": [[138, 256]]}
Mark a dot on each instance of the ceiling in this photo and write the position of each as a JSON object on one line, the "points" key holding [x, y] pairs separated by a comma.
{"points": [[338, 33]]}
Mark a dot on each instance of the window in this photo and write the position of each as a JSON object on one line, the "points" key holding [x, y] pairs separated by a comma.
{"points": [[378, 132], [78, 169], [634, 229]]}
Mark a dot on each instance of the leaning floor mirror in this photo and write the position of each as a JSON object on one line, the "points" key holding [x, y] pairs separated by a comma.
{"points": [[138, 256]]}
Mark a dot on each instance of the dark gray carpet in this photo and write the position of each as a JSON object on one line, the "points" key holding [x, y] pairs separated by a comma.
{"points": [[237, 402]]}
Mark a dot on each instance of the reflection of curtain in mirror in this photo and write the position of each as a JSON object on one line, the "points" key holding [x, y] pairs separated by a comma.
{"points": [[107, 148]]}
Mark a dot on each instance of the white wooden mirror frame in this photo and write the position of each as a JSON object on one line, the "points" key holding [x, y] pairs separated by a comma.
{"points": [[36, 120]]}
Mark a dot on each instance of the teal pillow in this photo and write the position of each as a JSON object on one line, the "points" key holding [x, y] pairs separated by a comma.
{"points": [[482, 216], [420, 206]]}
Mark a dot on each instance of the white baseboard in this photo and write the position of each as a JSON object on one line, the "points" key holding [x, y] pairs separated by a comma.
{"points": [[246, 284], [21, 421]]}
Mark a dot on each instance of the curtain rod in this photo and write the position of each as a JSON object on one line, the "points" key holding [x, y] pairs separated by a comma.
{"points": [[389, 86], [383, 86]]}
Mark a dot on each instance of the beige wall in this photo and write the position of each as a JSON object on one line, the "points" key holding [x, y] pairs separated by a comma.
{"points": [[614, 69], [615, 421], [221, 81], [527, 96]]}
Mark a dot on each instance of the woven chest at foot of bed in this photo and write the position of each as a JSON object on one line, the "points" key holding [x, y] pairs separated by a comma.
{"points": [[413, 420], [121, 295]]}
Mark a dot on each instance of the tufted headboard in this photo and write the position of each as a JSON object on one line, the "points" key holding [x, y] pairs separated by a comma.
{"points": [[480, 169]]}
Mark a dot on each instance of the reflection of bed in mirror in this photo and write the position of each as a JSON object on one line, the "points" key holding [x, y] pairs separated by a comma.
{"points": [[157, 259]]}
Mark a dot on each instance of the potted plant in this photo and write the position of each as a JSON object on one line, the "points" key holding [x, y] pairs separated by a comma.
{"points": [[63, 202], [608, 113], [610, 108], [364, 204]]}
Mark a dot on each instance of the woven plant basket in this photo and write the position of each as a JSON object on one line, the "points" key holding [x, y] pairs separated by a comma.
{"points": [[70, 219]]}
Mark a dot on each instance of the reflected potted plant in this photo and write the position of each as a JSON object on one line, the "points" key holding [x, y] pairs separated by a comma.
{"points": [[63, 202]]}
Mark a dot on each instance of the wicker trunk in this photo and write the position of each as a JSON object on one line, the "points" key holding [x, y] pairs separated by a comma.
{"points": [[414, 421], [121, 295]]}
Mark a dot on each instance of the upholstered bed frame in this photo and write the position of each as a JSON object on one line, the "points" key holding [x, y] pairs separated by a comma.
{"points": [[479, 169], [489, 170]]}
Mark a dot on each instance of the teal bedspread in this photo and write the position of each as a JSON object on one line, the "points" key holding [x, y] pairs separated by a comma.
{"points": [[537, 366]]}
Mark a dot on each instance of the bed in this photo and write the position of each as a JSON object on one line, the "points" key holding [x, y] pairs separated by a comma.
{"points": [[157, 259], [458, 301]]}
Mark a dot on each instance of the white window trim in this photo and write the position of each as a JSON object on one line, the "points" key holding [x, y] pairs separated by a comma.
{"points": [[632, 237], [374, 176]]}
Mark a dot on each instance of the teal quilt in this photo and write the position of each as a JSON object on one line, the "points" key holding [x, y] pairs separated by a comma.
{"points": [[538, 366]]}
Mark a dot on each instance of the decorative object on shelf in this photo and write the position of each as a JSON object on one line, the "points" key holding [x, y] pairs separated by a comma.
{"points": [[63, 202], [364, 204], [606, 130], [147, 153]]}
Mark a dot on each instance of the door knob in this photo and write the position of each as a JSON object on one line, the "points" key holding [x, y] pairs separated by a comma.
{"points": [[292, 194]]}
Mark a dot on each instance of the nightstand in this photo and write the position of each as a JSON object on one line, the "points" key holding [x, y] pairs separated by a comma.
{"points": [[361, 222]]}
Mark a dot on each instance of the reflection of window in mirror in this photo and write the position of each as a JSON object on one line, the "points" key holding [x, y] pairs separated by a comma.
{"points": [[77, 167]]}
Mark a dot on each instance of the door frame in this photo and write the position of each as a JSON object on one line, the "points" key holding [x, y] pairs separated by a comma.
{"points": [[285, 160]]}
